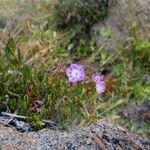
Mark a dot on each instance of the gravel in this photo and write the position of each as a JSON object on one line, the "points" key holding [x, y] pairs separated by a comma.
{"points": [[102, 135]]}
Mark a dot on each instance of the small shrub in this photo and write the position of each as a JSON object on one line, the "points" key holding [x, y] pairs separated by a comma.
{"points": [[79, 12], [76, 17], [38, 93]]}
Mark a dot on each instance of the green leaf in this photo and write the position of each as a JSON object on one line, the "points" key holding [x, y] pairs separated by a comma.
{"points": [[27, 72], [20, 56], [118, 69], [141, 92], [143, 46], [104, 33], [13, 94], [10, 49]]}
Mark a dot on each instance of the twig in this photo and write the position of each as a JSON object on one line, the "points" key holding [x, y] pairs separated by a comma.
{"points": [[48, 121], [6, 124], [13, 115], [25, 117]]}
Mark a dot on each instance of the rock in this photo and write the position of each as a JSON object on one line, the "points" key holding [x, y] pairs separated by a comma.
{"points": [[139, 114], [12, 140], [123, 14], [102, 135]]}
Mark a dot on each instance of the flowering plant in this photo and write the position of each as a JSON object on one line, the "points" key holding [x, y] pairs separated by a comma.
{"points": [[100, 84], [39, 95], [75, 73]]}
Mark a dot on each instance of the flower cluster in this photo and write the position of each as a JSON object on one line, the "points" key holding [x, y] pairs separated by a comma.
{"points": [[76, 73]]}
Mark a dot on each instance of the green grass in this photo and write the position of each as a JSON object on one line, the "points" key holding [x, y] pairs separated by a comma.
{"points": [[29, 85]]}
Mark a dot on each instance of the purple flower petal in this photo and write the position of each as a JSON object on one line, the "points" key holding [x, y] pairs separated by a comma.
{"points": [[72, 80], [75, 73], [74, 66], [82, 77], [100, 84], [100, 87], [81, 68], [68, 72], [97, 78]]}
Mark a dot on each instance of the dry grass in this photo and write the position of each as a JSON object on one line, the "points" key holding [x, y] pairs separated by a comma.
{"points": [[22, 17]]}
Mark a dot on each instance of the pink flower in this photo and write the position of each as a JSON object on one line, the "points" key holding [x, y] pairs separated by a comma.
{"points": [[75, 73], [100, 87], [97, 78], [99, 83]]}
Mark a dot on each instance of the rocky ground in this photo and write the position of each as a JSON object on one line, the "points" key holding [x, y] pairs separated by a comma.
{"points": [[102, 135]]}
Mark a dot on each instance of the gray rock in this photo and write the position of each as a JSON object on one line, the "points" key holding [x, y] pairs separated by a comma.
{"points": [[102, 135], [123, 14]]}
